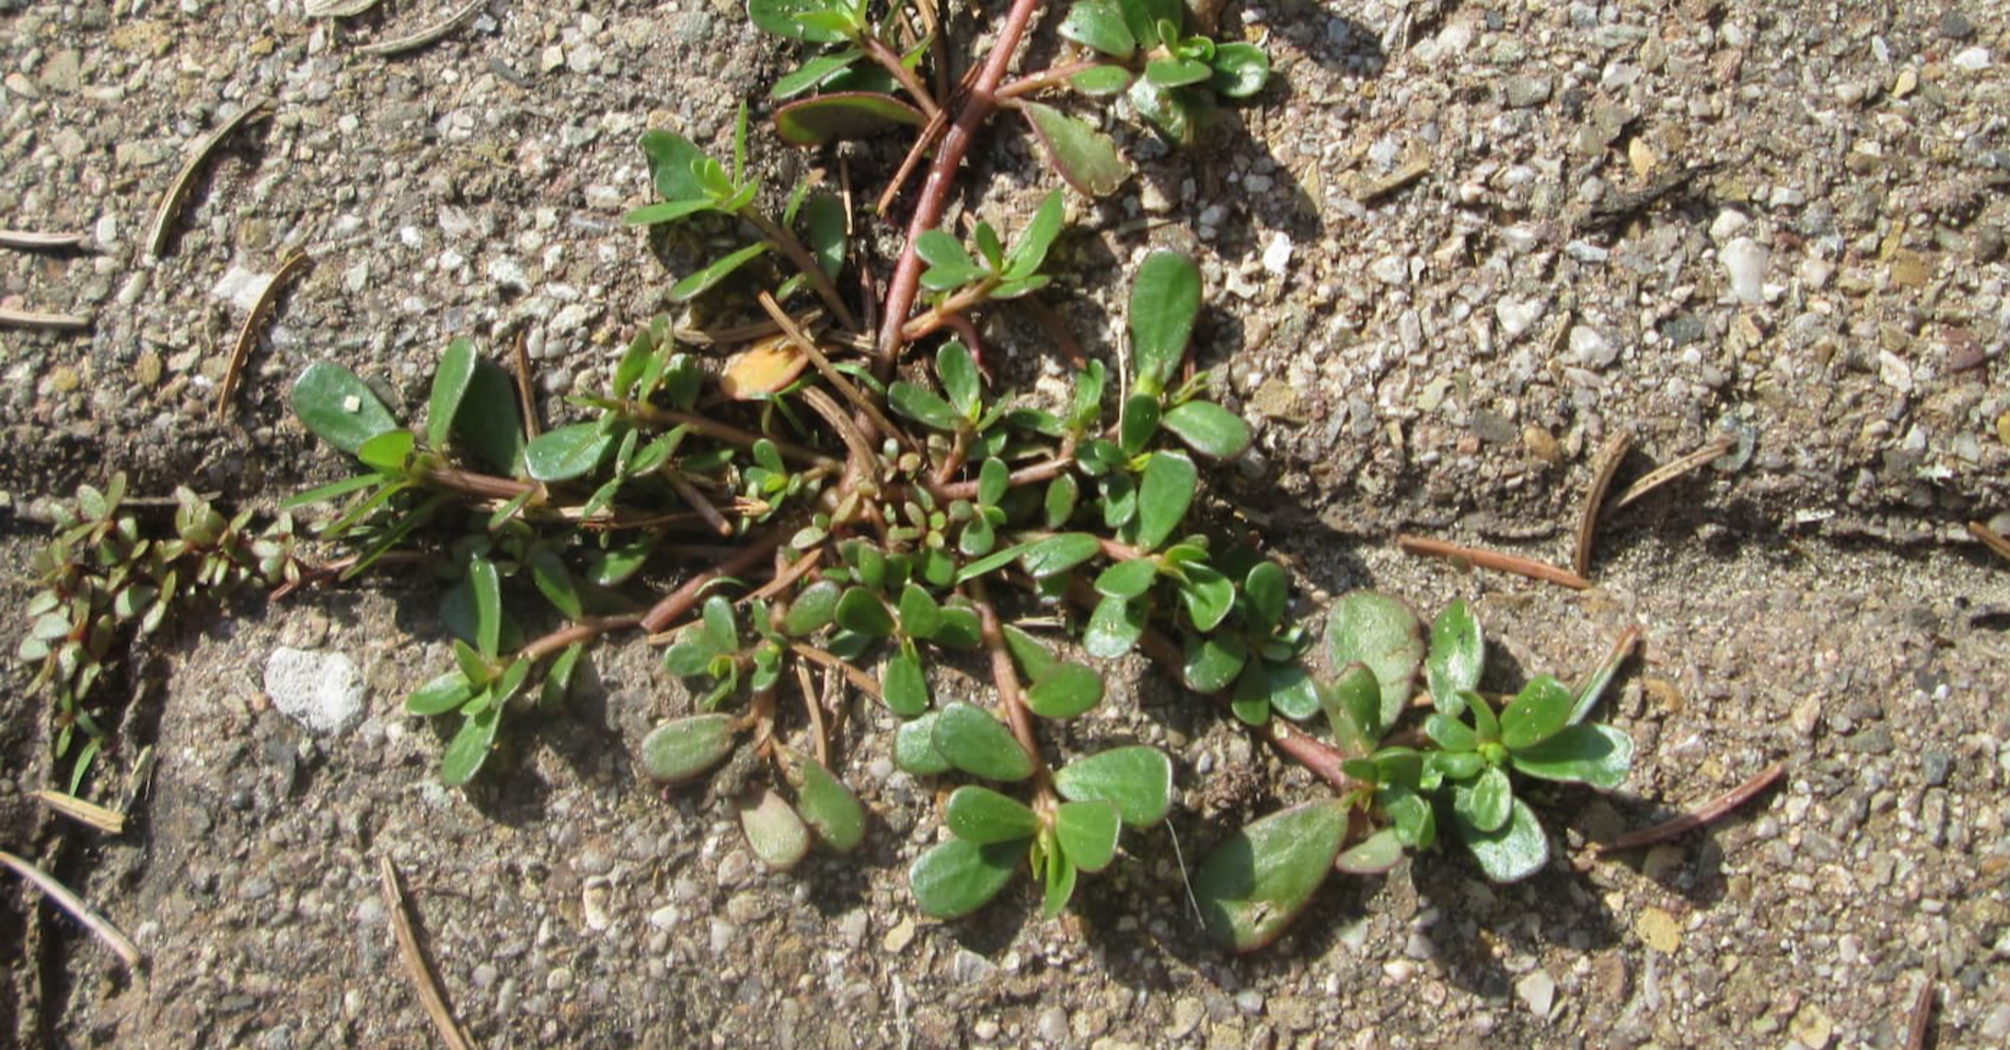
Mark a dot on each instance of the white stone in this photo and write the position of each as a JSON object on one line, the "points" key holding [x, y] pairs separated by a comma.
{"points": [[1519, 315], [1894, 371], [1972, 59], [240, 287], [1729, 223], [107, 229], [1745, 261], [1391, 269], [1277, 257], [1591, 348], [323, 691], [1538, 991]]}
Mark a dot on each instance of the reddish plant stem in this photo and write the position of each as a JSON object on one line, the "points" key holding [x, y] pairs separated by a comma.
{"points": [[655, 415], [1006, 676], [977, 108], [876, 49], [1486, 559], [1047, 77], [486, 486], [1706, 814], [1045, 470], [678, 602], [572, 634]]}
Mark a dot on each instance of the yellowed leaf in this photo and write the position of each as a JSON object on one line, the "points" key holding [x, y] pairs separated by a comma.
{"points": [[764, 368]]}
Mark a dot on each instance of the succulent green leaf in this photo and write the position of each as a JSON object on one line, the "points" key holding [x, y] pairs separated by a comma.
{"points": [[1374, 855], [1100, 81], [1288, 688], [1240, 70], [486, 586], [778, 836], [1137, 779], [1515, 851], [830, 808], [1165, 300], [813, 609], [338, 407], [904, 685], [1067, 690], [558, 680], [1485, 722], [567, 452], [488, 420], [667, 211], [1458, 653], [1035, 660], [672, 163], [1598, 755], [1537, 713], [388, 452], [1261, 877], [981, 815], [1164, 494], [721, 634], [1450, 733], [949, 266], [979, 744], [1411, 815], [824, 232], [862, 611], [1353, 709], [1115, 626], [1062, 494], [1268, 588], [475, 669], [450, 385], [826, 118], [1099, 25], [960, 381], [1177, 72], [1143, 18], [1212, 663], [1455, 765], [683, 748], [814, 74], [470, 746], [1208, 429], [1029, 252], [958, 877], [1484, 803], [923, 406], [1085, 158], [1383, 633], [1179, 114], [1087, 832], [1138, 421], [442, 694], [689, 656], [1207, 595], [696, 284], [914, 747], [920, 615], [554, 581], [1128, 579], [784, 18], [1061, 876], [1058, 553]]}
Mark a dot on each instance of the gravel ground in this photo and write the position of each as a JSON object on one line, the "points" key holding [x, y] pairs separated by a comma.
{"points": [[1821, 277]]}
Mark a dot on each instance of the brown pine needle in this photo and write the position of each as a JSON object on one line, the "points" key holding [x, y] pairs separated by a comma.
{"points": [[837, 379], [523, 391], [11, 318], [431, 995], [107, 820], [1702, 816], [1680, 467], [247, 336], [69, 902], [425, 36], [1486, 559], [1990, 538], [177, 193], [1922, 1018], [33, 241], [1602, 473]]}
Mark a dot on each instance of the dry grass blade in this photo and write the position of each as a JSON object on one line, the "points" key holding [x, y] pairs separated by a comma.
{"points": [[1609, 459], [1922, 1018], [247, 336], [1702, 816], [107, 820], [97, 924], [1486, 559], [1662, 476], [177, 192], [1395, 180], [836, 378], [10, 318], [425, 36], [29, 240], [526, 399], [1990, 538], [431, 995]]}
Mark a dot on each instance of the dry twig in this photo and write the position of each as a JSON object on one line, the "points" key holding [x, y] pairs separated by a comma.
{"points": [[1922, 1018], [425, 36], [1990, 538], [69, 902], [1680, 467], [1486, 559], [431, 995], [247, 336], [1609, 459], [107, 820], [1702, 816], [10, 318], [170, 206], [523, 391], [32, 241]]}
